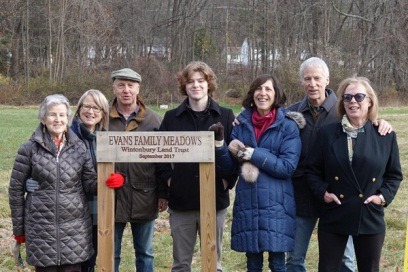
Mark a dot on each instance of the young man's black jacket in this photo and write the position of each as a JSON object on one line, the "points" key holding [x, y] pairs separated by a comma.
{"points": [[184, 193]]}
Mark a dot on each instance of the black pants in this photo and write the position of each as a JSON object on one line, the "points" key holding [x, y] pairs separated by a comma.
{"points": [[60, 268], [367, 249], [89, 265]]}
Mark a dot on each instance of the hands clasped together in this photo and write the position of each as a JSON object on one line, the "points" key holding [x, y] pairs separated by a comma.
{"points": [[240, 151]]}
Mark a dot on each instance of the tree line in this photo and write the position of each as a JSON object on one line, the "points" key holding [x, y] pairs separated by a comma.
{"points": [[74, 44]]}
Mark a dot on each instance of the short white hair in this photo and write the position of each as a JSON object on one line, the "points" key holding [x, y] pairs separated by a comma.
{"points": [[314, 62], [52, 100]]}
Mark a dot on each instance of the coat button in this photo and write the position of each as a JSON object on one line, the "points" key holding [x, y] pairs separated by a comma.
{"points": [[336, 178], [341, 196], [360, 195], [373, 180]]}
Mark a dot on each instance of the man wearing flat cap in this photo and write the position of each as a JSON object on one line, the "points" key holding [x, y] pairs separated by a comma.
{"points": [[142, 197]]}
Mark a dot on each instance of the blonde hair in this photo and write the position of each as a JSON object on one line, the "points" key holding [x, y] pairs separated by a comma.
{"points": [[372, 109], [101, 102]]}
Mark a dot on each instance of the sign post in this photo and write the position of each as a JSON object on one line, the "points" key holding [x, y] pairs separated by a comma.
{"points": [[156, 147], [106, 219]]}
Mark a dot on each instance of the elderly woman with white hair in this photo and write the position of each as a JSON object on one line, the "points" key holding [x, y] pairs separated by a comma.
{"points": [[54, 220]]}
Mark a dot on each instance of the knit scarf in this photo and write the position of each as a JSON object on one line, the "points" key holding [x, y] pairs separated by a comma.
{"points": [[352, 133], [261, 123]]}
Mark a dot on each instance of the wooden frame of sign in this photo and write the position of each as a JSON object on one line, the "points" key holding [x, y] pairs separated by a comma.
{"points": [[154, 147]]}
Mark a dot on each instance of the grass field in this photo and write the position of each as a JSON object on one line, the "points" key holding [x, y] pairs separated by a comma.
{"points": [[17, 124]]}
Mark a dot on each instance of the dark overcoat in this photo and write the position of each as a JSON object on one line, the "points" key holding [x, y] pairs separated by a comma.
{"points": [[306, 204], [375, 169], [55, 219], [136, 201]]}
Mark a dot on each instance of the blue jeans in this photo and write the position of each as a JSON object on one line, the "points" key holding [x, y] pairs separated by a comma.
{"points": [[142, 243], [296, 260], [347, 263], [276, 262]]}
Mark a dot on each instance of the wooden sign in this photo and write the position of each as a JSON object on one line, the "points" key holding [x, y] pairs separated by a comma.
{"points": [[152, 147], [155, 146]]}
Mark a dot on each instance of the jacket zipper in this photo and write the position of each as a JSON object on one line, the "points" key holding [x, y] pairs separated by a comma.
{"points": [[57, 211]]}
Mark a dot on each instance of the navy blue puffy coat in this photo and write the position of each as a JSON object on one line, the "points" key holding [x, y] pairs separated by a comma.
{"points": [[264, 211]]}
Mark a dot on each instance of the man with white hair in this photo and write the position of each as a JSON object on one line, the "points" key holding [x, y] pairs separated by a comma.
{"points": [[319, 109]]}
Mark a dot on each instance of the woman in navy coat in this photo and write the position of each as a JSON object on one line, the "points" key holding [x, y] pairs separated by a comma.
{"points": [[267, 147], [356, 172]]}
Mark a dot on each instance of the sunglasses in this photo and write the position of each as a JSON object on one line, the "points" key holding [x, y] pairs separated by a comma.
{"points": [[359, 97]]}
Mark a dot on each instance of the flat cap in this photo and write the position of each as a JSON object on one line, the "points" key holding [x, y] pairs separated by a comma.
{"points": [[126, 73]]}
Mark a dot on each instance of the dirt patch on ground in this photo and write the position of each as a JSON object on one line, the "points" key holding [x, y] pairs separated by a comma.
{"points": [[7, 243], [6, 248], [6, 235]]}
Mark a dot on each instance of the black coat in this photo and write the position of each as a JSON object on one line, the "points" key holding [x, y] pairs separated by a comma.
{"points": [[375, 169], [306, 204], [184, 189]]}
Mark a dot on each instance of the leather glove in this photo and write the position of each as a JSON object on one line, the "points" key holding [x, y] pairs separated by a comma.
{"points": [[235, 146], [115, 180], [31, 185], [19, 238], [218, 129]]}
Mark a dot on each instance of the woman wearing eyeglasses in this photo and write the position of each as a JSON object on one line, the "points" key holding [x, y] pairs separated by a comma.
{"points": [[356, 173], [91, 115], [53, 218]]}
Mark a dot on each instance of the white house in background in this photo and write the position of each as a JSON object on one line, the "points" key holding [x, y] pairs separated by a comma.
{"points": [[237, 55], [159, 51], [249, 50]]}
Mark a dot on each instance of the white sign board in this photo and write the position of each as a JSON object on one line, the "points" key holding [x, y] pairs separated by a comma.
{"points": [[155, 146]]}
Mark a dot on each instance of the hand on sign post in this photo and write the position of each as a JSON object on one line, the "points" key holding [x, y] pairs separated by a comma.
{"points": [[115, 181]]}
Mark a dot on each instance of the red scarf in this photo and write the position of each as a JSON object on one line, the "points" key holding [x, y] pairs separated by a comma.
{"points": [[261, 123]]}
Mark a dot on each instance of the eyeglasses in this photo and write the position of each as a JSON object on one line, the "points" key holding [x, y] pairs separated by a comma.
{"points": [[359, 97], [89, 107]]}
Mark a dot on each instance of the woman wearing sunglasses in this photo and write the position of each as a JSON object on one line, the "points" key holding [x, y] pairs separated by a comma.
{"points": [[356, 173]]}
